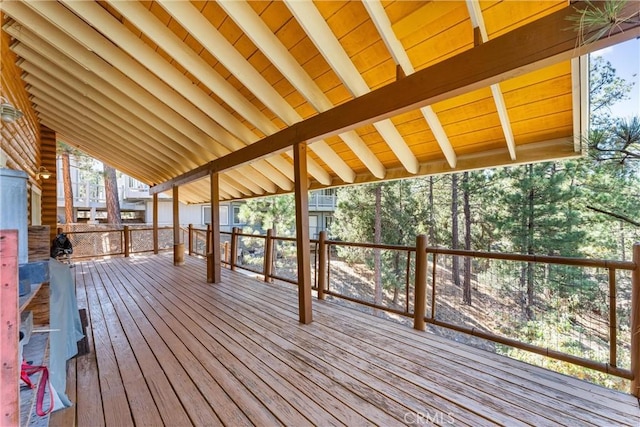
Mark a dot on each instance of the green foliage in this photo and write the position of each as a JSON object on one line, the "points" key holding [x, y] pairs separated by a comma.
{"points": [[277, 212]]}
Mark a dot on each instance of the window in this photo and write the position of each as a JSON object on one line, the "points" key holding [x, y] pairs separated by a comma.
{"points": [[224, 215], [236, 215]]}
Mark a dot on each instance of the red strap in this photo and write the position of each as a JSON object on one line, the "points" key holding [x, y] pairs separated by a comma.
{"points": [[30, 370]]}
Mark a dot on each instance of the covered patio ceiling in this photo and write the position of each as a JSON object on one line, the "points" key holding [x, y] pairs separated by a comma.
{"points": [[158, 89]]}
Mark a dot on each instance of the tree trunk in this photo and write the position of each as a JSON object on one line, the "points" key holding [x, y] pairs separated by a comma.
{"points": [[111, 193], [377, 237], [69, 218], [530, 265], [466, 294], [455, 266]]}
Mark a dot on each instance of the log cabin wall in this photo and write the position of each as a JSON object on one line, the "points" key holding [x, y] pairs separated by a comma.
{"points": [[21, 140]]}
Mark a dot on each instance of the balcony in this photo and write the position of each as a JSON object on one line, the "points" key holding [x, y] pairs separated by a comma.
{"points": [[234, 353]]}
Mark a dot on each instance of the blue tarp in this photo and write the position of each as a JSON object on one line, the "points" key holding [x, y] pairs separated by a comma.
{"points": [[66, 327]]}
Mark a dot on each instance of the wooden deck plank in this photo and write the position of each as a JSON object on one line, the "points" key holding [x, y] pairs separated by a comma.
{"points": [[212, 372], [544, 412], [161, 388], [361, 383], [189, 378], [390, 375], [88, 404], [116, 405], [553, 407], [283, 360], [254, 373], [259, 366]]}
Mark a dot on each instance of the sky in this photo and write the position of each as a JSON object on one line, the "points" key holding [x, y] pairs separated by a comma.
{"points": [[625, 58]]}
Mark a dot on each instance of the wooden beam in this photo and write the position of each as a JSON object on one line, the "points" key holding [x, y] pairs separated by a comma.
{"points": [[302, 232], [536, 45], [213, 258]]}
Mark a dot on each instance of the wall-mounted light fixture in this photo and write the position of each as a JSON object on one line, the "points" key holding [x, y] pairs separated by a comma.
{"points": [[43, 173], [8, 113]]}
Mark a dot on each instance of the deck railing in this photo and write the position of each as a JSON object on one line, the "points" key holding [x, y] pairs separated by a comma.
{"points": [[91, 241], [585, 300], [533, 299]]}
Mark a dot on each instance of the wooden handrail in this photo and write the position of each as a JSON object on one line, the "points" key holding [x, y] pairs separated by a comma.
{"points": [[580, 262]]}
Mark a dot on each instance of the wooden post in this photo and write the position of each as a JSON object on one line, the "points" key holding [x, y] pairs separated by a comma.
{"points": [[268, 255], [302, 231], [156, 244], [127, 241], [233, 256], [635, 322], [190, 242], [420, 304], [322, 264], [9, 328], [213, 233], [178, 247]]}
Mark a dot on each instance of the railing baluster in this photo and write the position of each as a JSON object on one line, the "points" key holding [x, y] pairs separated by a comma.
{"points": [[127, 241], [190, 244], [268, 255], [322, 264], [419, 305], [234, 248], [635, 323], [406, 283], [613, 323], [434, 259]]}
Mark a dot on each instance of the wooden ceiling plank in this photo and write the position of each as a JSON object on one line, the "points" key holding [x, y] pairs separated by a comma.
{"points": [[129, 165], [536, 45], [158, 91], [202, 30], [256, 29], [67, 95], [88, 68], [478, 22], [97, 127], [247, 174], [318, 30], [382, 23]]}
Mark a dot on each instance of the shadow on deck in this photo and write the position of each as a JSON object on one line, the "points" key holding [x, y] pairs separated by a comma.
{"points": [[168, 348]]}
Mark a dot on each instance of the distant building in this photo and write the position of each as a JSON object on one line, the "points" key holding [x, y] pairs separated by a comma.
{"points": [[136, 204]]}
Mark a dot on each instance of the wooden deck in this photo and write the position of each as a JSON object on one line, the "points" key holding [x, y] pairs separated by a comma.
{"points": [[170, 349]]}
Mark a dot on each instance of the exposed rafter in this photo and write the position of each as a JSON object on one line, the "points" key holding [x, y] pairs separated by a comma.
{"points": [[381, 20], [160, 94], [197, 24], [95, 72], [246, 18], [478, 22], [318, 30]]}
